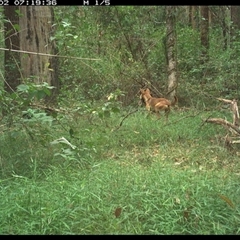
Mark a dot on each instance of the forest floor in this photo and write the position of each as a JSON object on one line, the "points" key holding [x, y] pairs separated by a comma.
{"points": [[144, 176]]}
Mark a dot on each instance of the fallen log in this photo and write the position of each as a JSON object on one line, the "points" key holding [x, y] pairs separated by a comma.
{"points": [[233, 108], [223, 122], [233, 128]]}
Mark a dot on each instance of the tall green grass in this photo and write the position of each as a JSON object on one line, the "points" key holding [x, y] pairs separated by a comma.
{"points": [[166, 178]]}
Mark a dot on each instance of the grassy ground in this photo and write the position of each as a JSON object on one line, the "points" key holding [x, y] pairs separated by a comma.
{"points": [[143, 177]]}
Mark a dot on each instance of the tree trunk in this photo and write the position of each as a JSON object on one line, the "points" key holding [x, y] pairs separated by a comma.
{"points": [[192, 16], [235, 18], [11, 59], [204, 33], [35, 32], [223, 15], [171, 51]]}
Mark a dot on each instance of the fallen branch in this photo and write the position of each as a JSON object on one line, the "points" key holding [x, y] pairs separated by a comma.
{"points": [[224, 100], [124, 119], [49, 55], [223, 122], [47, 108], [232, 127], [233, 108]]}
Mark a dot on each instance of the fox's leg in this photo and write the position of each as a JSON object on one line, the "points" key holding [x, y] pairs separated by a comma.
{"points": [[157, 112], [167, 111]]}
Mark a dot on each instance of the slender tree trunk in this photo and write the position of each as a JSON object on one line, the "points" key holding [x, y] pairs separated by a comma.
{"points": [[11, 59], [235, 18], [36, 29], [204, 33], [192, 16], [171, 51], [222, 11], [210, 17]]}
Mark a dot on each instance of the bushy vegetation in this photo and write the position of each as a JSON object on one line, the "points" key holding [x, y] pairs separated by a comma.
{"points": [[97, 163]]}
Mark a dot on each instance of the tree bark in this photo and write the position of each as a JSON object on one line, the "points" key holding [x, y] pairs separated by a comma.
{"points": [[35, 32], [192, 16], [223, 15], [235, 18], [204, 33], [171, 51]]}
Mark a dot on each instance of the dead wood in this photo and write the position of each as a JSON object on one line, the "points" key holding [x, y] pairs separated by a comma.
{"points": [[233, 108], [47, 108], [124, 119], [233, 127], [223, 122]]}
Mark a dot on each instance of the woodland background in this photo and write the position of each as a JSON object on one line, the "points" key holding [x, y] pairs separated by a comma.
{"points": [[79, 155], [126, 47]]}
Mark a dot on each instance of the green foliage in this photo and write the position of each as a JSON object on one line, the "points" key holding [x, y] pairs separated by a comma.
{"points": [[174, 178], [31, 91], [24, 125], [26, 120], [72, 155], [25, 94], [113, 105], [33, 115], [126, 51], [189, 50]]}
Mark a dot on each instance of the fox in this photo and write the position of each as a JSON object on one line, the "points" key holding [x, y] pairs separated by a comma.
{"points": [[156, 104]]}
